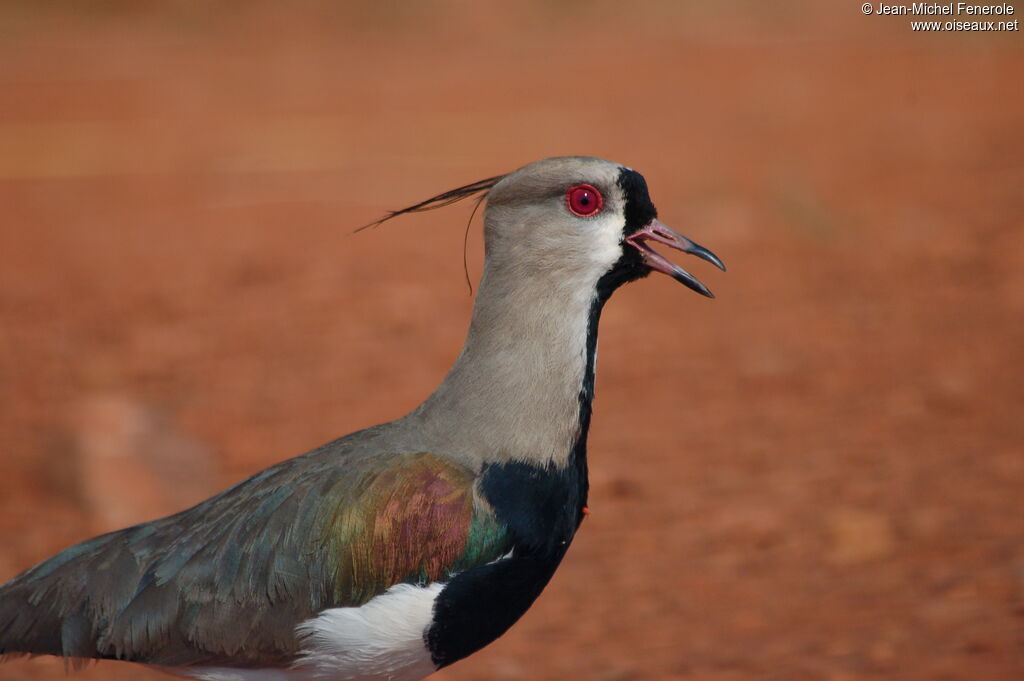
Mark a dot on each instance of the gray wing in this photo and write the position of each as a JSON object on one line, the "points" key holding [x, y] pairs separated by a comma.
{"points": [[226, 580]]}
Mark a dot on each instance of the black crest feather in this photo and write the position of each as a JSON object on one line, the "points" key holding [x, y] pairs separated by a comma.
{"points": [[446, 199]]}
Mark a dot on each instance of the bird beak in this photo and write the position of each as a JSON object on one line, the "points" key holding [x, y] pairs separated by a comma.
{"points": [[655, 231]]}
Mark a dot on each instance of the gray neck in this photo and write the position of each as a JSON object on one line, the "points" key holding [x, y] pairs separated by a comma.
{"points": [[514, 392]]}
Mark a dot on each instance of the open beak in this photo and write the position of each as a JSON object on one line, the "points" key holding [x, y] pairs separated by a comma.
{"points": [[655, 231]]}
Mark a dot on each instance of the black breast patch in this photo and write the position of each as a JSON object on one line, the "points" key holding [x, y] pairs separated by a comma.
{"points": [[541, 507]]}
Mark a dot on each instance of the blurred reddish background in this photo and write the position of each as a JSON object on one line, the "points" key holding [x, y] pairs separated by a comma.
{"points": [[816, 476]]}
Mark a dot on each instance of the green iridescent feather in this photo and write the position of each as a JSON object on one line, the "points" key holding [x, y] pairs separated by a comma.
{"points": [[229, 579], [413, 521]]}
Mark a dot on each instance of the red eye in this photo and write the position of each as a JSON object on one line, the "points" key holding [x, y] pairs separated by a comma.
{"points": [[583, 200]]}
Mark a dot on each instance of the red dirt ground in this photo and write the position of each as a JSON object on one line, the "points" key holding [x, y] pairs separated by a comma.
{"points": [[816, 476]]}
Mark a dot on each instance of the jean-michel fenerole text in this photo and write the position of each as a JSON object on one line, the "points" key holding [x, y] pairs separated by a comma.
{"points": [[945, 9]]}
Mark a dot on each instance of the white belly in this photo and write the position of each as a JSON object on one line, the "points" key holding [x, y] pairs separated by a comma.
{"points": [[382, 640]]}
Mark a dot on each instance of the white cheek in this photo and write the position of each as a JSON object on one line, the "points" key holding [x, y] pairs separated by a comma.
{"points": [[606, 241]]}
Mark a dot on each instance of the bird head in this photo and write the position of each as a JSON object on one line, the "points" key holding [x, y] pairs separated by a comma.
{"points": [[580, 219], [584, 217]]}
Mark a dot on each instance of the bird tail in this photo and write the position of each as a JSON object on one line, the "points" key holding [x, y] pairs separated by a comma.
{"points": [[46, 610]]}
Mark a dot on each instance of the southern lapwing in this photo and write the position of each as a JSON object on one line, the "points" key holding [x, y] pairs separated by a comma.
{"points": [[399, 549]]}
